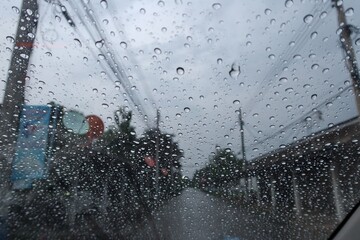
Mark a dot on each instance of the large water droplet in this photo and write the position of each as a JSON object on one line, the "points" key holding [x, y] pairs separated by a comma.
{"points": [[313, 35], [186, 109], [267, 11], [77, 42], [142, 11], [357, 42], [289, 3], [234, 71], [314, 96], [329, 104], [216, 6], [219, 61], [99, 44], [283, 79], [31, 35], [161, 3], [105, 105], [10, 39], [349, 12], [323, 15], [23, 55], [271, 56], [104, 4], [123, 45], [157, 50], [180, 71], [308, 18], [29, 11], [15, 9], [315, 66]]}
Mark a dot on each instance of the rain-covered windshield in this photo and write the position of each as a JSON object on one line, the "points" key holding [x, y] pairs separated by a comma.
{"points": [[178, 119]]}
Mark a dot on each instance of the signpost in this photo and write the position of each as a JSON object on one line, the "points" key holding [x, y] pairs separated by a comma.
{"points": [[31, 147]]}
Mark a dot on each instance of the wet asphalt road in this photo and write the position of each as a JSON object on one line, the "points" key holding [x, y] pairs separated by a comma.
{"points": [[198, 215]]}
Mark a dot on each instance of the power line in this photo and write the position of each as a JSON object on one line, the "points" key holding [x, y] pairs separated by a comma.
{"points": [[126, 84], [113, 64], [139, 73], [302, 34], [289, 52], [301, 118]]}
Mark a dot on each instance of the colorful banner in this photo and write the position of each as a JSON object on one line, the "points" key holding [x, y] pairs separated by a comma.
{"points": [[32, 144]]}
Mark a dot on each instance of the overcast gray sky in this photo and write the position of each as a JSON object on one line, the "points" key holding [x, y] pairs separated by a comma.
{"points": [[290, 63]]}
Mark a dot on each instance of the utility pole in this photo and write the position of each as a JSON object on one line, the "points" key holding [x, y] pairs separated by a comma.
{"points": [[243, 154], [157, 142], [242, 135], [346, 41], [14, 95]]}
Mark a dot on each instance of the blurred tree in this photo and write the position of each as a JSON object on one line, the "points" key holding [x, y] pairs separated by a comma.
{"points": [[120, 140], [169, 162], [224, 168]]}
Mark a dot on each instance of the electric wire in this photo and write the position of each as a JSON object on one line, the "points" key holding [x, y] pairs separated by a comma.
{"points": [[113, 65], [302, 35], [301, 118]]}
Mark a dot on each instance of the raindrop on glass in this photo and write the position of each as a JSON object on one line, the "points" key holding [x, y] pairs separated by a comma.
{"points": [[267, 11], [157, 50], [313, 35], [289, 3], [323, 15], [329, 104], [123, 45], [142, 10], [15, 9], [271, 56], [283, 79], [308, 18], [23, 55], [187, 109], [315, 66], [349, 12], [180, 71], [216, 6], [104, 4], [10, 39], [105, 105], [77, 42], [99, 44], [234, 71], [357, 42]]}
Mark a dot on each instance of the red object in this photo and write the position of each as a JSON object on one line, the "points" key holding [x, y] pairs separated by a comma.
{"points": [[96, 127], [164, 171], [151, 162]]}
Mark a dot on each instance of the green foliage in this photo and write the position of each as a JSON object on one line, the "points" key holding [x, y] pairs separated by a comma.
{"points": [[224, 168], [120, 139]]}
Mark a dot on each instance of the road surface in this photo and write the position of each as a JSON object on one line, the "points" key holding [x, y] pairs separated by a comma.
{"points": [[198, 215]]}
